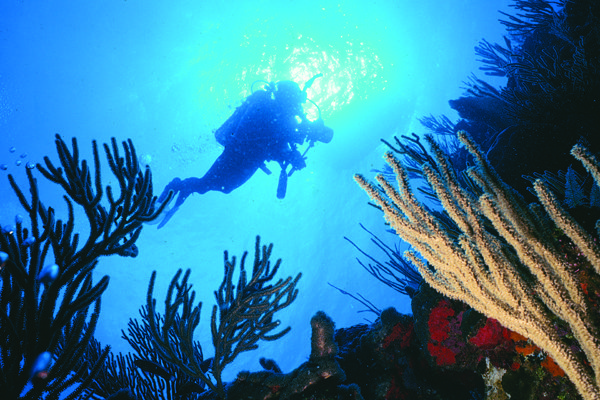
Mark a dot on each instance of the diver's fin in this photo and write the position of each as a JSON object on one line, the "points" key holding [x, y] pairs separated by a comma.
{"points": [[167, 216], [158, 218], [162, 214]]}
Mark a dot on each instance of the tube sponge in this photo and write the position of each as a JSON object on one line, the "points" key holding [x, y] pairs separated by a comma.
{"points": [[322, 341]]}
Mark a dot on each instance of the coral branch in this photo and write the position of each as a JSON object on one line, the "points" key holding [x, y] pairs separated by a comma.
{"points": [[513, 272], [49, 303], [244, 314]]}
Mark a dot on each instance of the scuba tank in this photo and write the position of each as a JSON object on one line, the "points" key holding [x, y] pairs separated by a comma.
{"points": [[272, 88]]}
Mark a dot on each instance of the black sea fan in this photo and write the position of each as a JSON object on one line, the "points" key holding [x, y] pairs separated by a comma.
{"points": [[49, 302]]}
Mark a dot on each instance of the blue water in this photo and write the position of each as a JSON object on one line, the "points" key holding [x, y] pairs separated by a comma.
{"points": [[167, 74]]}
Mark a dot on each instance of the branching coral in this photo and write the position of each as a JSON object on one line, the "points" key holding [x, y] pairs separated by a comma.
{"points": [[513, 272], [550, 58], [532, 15], [49, 304], [546, 61], [113, 375], [243, 315], [142, 374], [395, 272]]}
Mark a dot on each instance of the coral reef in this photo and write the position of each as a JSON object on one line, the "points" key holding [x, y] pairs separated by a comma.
{"points": [[318, 378], [243, 315], [395, 272], [445, 351], [515, 272], [167, 363], [49, 303], [549, 283], [550, 59], [505, 304]]}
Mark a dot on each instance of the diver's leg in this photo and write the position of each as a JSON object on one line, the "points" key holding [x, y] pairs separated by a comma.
{"points": [[230, 171], [173, 185], [189, 186], [212, 180], [182, 189]]}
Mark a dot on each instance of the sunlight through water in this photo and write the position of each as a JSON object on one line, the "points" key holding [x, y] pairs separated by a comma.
{"points": [[345, 46]]}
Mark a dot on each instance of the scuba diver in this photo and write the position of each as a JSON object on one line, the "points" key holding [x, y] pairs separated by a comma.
{"points": [[268, 126]]}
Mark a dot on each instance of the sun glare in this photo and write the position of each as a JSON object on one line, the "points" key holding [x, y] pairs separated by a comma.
{"points": [[351, 52]]}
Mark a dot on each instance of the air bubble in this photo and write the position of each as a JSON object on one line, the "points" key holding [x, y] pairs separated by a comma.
{"points": [[145, 160], [24, 155], [3, 167], [12, 149], [18, 162], [30, 165]]}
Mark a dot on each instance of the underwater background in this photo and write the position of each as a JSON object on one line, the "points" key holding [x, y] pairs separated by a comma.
{"points": [[167, 74]]}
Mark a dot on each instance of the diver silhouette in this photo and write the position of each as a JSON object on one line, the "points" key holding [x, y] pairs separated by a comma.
{"points": [[268, 126]]}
